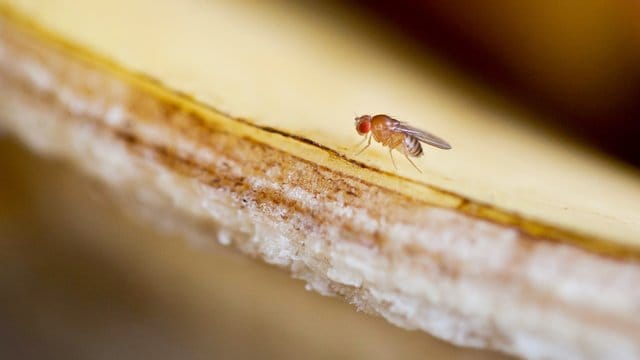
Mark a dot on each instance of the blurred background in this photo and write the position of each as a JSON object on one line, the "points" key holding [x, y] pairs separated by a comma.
{"points": [[575, 62]]}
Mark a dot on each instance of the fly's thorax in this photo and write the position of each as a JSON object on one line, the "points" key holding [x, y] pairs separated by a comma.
{"points": [[381, 126], [382, 121]]}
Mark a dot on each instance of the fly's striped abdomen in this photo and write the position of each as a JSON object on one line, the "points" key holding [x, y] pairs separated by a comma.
{"points": [[412, 146]]}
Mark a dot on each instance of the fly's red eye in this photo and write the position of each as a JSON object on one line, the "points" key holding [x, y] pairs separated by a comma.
{"points": [[364, 127]]}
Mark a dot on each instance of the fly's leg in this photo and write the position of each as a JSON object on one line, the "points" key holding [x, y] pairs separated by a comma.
{"points": [[368, 144], [364, 138], [392, 160], [414, 165]]}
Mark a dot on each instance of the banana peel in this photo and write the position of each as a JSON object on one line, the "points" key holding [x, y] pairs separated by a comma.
{"points": [[241, 117]]}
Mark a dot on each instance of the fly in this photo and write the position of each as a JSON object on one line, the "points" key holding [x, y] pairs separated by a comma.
{"points": [[396, 135]]}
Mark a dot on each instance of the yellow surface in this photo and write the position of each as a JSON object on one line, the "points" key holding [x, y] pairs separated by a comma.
{"points": [[307, 71]]}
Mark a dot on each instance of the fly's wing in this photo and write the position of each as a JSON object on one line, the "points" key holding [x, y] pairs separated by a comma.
{"points": [[423, 136]]}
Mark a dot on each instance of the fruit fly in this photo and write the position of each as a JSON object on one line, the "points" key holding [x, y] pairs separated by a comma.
{"points": [[396, 135]]}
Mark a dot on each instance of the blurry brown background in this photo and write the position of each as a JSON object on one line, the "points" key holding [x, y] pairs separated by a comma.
{"points": [[575, 62]]}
